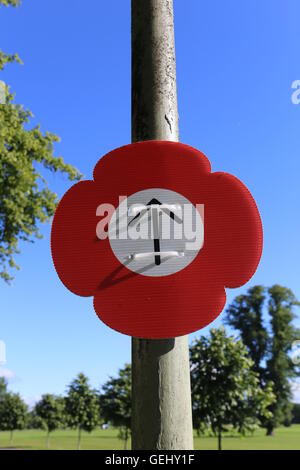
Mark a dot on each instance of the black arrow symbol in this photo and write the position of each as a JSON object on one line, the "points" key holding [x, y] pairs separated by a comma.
{"points": [[155, 223]]}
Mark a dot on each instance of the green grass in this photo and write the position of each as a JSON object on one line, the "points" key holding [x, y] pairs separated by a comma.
{"points": [[284, 439], [63, 439]]}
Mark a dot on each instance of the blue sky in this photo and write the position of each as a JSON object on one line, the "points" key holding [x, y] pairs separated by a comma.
{"points": [[236, 62]]}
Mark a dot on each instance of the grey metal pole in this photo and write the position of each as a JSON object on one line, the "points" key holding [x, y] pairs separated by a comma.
{"points": [[161, 391]]}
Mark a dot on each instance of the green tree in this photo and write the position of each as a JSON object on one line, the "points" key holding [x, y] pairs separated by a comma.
{"points": [[3, 387], [245, 314], [13, 413], [115, 402], [13, 3], [34, 421], [8, 58], [50, 410], [25, 198], [225, 388], [280, 368], [296, 413], [269, 338], [82, 406]]}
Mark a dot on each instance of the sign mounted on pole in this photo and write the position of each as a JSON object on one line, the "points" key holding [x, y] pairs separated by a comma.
{"points": [[155, 238]]}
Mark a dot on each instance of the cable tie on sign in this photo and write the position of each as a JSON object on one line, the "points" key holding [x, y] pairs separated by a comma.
{"points": [[167, 254]]}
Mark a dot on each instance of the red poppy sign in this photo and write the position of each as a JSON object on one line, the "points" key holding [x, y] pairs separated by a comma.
{"points": [[155, 238]]}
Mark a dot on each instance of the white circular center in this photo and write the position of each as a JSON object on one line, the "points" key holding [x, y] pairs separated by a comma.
{"points": [[156, 232]]}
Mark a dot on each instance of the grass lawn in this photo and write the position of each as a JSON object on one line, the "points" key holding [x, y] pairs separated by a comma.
{"points": [[284, 439]]}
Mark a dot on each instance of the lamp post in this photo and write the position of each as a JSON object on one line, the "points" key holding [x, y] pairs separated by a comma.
{"points": [[161, 391]]}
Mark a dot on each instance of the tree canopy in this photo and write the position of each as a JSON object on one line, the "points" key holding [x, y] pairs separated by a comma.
{"points": [[13, 412], [3, 387], [225, 388], [279, 366], [25, 198], [13, 3], [264, 319], [50, 410], [115, 402], [245, 314], [82, 406]]}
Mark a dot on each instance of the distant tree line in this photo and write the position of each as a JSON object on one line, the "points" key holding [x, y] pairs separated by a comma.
{"points": [[79, 409], [83, 408], [237, 383]]}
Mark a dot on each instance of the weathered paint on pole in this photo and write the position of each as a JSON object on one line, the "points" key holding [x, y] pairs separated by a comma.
{"points": [[161, 391]]}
